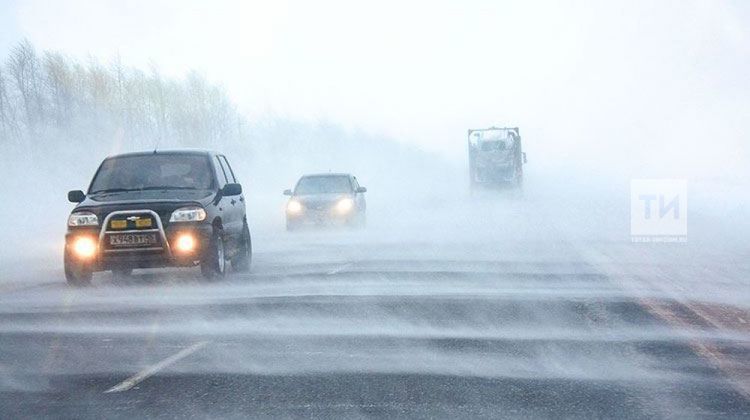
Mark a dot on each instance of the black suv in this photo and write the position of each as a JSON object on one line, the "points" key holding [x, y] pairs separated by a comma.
{"points": [[158, 209]]}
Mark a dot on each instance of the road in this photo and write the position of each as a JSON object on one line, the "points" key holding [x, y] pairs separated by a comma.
{"points": [[502, 310]]}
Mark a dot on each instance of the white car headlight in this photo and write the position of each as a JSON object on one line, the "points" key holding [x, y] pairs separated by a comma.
{"points": [[294, 207], [83, 218], [345, 205], [188, 214]]}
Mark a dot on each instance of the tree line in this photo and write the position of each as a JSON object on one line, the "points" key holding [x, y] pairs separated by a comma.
{"points": [[52, 104], [61, 117]]}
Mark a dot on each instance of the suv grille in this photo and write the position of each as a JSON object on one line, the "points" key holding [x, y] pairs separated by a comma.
{"points": [[132, 222], [128, 231]]}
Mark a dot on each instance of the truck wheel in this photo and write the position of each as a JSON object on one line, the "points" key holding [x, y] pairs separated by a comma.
{"points": [[213, 263], [76, 273], [241, 261]]}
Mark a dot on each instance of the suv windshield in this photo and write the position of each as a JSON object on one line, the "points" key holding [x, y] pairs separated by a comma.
{"points": [[323, 185], [157, 171]]}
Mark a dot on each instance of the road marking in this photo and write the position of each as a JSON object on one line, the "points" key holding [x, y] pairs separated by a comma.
{"points": [[716, 356], [151, 370], [339, 269]]}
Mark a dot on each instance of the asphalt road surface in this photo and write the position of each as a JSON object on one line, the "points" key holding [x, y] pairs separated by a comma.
{"points": [[501, 311]]}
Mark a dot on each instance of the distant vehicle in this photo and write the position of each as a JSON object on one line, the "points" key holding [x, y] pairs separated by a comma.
{"points": [[158, 209], [496, 158], [320, 199]]}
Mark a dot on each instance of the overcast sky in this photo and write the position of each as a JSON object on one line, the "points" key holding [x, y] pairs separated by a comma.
{"points": [[604, 77]]}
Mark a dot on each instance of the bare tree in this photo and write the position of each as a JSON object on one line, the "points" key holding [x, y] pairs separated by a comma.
{"points": [[157, 102], [51, 103], [58, 81], [6, 112], [23, 67]]}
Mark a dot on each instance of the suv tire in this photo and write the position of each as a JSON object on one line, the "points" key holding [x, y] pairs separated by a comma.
{"points": [[76, 273], [214, 263], [241, 261]]}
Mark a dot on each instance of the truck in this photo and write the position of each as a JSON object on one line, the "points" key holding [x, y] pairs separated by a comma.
{"points": [[496, 158]]}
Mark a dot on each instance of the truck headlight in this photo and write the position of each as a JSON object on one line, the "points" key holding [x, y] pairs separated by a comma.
{"points": [[294, 207], [345, 205], [188, 214], [83, 218]]}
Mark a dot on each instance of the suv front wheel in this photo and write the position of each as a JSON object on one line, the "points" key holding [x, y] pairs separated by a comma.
{"points": [[241, 261], [214, 262], [76, 272]]}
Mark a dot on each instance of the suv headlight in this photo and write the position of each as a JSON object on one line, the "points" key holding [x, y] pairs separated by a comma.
{"points": [[294, 207], [83, 218], [188, 214], [345, 205]]}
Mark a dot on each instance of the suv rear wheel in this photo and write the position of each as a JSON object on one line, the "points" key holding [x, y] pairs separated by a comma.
{"points": [[214, 263]]}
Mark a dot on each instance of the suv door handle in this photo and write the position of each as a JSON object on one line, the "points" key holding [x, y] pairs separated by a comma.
{"points": [[233, 202]]}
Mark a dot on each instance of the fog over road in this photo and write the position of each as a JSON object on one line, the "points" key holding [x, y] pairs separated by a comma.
{"points": [[497, 304], [483, 307]]}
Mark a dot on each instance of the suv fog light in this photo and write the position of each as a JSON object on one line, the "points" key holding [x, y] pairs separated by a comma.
{"points": [[84, 247], [185, 243]]}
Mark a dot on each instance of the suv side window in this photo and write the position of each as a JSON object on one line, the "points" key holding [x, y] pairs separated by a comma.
{"points": [[230, 174], [221, 173], [355, 184]]}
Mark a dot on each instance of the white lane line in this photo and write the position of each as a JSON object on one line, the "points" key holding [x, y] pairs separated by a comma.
{"points": [[149, 371], [339, 269]]}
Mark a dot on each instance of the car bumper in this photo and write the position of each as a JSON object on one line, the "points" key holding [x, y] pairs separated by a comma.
{"points": [[167, 255]]}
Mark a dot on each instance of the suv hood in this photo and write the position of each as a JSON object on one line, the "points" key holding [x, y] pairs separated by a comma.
{"points": [[321, 198], [163, 203], [150, 196]]}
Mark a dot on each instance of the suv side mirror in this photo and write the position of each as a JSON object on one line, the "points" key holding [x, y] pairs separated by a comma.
{"points": [[288, 192], [361, 190], [231, 189], [524, 158], [76, 196]]}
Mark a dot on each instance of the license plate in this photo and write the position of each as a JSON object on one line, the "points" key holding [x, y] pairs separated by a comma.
{"points": [[134, 240]]}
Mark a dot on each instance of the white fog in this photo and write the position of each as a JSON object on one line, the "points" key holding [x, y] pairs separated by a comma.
{"points": [[455, 300]]}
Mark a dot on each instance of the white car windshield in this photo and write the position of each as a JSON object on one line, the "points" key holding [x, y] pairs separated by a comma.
{"points": [[323, 185]]}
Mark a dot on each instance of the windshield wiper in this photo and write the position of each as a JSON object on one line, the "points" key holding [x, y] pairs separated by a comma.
{"points": [[114, 190], [157, 187], [165, 187]]}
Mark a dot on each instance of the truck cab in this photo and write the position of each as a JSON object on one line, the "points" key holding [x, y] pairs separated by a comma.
{"points": [[496, 157]]}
